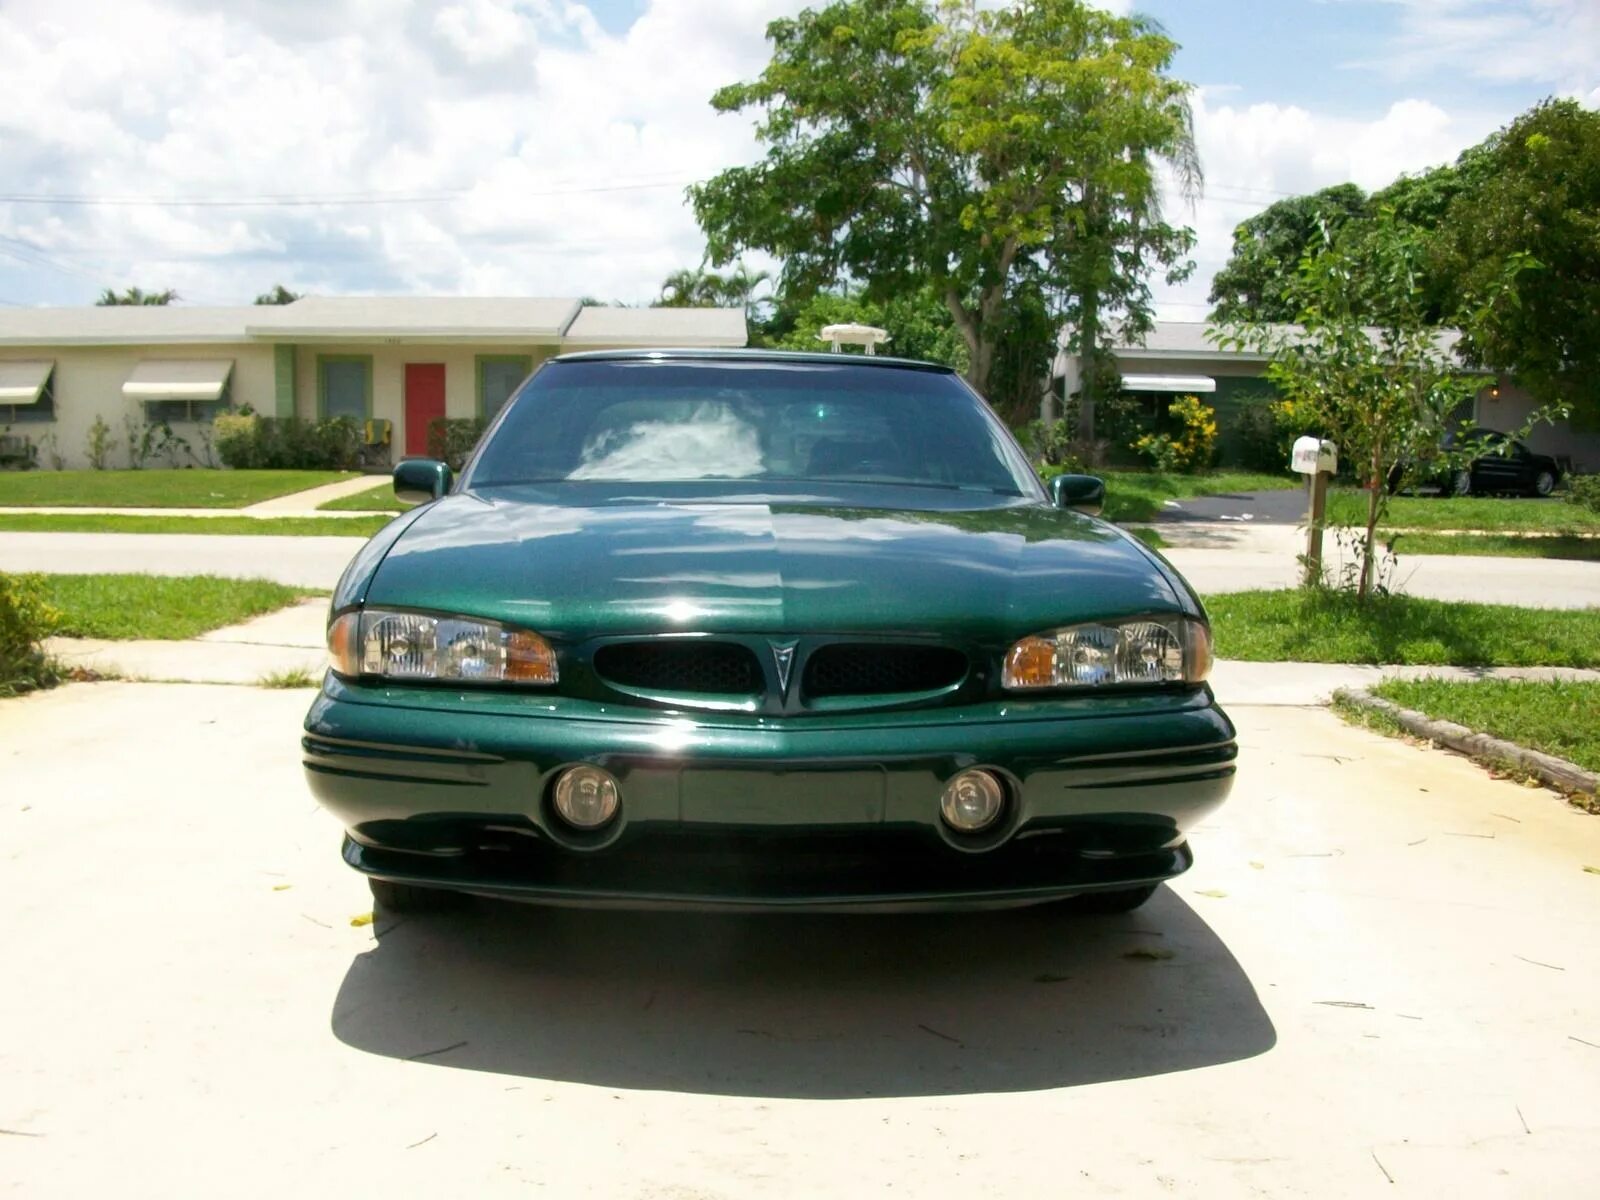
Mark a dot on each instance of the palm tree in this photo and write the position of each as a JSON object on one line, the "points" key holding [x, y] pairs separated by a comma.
{"points": [[278, 295], [136, 296]]}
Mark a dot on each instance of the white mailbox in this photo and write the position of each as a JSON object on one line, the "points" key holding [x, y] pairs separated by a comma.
{"points": [[1314, 455]]}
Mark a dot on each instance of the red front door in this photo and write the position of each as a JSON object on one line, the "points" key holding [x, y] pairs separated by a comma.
{"points": [[424, 403]]}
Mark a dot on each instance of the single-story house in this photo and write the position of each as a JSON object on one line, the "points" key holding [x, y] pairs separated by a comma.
{"points": [[1177, 359], [394, 362]]}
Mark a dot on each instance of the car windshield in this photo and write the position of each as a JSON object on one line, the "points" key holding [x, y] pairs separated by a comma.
{"points": [[757, 421]]}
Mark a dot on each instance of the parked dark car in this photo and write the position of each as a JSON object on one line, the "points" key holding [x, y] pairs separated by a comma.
{"points": [[740, 628], [1504, 466]]}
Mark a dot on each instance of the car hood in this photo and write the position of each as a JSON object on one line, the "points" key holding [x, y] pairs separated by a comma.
{"points": [[574, 572]]}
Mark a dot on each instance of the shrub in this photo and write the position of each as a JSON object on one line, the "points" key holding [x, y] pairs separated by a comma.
{"points": [[1190, 448], [99, 444], [452, 441], [246, 440], [25, 621], [1584, 491]]}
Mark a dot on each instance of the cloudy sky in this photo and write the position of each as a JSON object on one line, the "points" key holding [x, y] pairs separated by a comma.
{"points": [[541, 147]]}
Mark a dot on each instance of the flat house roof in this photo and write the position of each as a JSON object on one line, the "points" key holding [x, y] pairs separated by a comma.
{"points": [[478, 319], [1188, 340]]}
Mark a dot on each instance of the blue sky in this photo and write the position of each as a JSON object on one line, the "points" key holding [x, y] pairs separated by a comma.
{"points": [[541, 147]]}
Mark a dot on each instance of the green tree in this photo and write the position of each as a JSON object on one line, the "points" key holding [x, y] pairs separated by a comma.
{"points": [[135, 295], [278, 295], [1268, 247], [1538, 197], [1364, 364], [957, 149], [918, 324]]}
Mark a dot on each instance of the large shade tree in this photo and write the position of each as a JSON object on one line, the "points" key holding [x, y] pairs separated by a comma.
{"points": [[993, 157]]}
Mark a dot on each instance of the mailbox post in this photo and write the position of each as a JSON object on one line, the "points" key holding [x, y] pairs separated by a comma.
{"points": [[1317, 459]]}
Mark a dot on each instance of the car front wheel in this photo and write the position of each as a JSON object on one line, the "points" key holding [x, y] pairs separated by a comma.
{"points": [[404, 898], [1544, 483]]}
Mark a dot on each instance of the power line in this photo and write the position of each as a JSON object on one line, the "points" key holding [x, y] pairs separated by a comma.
{"points": [[329, 200]]}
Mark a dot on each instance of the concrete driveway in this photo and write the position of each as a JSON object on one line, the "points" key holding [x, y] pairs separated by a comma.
{"points": [[1385, 966]]}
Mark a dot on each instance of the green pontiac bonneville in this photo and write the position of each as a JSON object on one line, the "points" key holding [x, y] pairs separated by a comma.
{"points": [[732, 628]]}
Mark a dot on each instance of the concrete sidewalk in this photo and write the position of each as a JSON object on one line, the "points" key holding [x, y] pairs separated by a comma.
{"points": [[295, 504], [283, 642]]}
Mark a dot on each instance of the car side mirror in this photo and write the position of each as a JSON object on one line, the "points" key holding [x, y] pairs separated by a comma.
{"points": [[1085, 493], [419, 480]]}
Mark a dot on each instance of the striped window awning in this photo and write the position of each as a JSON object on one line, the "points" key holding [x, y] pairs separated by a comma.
{"points": [[178, 379], [24, 382]]}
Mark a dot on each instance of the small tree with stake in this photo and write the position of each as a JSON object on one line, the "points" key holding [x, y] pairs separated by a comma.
{"points": [[1363, 362]]}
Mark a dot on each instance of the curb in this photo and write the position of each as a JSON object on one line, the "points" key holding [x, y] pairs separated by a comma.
{"points": [[1557, 773]]}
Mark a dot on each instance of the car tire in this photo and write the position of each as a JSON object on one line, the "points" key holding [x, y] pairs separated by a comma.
{"points": [[1460, 484], [1544, 483], [407, 899], [1101, 903]]}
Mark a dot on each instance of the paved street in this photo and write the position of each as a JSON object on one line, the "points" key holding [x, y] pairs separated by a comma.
{"points": [[1384, 964], [1215, 558]]}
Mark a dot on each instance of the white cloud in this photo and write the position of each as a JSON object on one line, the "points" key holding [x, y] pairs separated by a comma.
{"points": [[1546, 42], [1256, 154]]}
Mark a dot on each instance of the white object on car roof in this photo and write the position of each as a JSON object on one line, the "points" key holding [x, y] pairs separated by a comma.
{"points": [[869, 336]]}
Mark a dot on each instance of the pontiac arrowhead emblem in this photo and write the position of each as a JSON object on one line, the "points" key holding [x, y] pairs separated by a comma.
{"points": [[783, 659]]}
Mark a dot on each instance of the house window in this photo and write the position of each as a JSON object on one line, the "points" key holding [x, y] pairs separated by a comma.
{"points": [[498, 377], [41, 410], [344, 386], [187, 412]]}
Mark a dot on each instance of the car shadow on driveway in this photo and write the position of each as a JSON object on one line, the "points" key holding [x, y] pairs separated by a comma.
{"points": [[824, 1007]]}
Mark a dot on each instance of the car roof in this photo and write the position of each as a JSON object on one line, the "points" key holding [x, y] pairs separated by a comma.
{"points": [[819, 358]]}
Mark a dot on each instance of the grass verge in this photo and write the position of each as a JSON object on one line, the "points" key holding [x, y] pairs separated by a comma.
{"points": [[1499, 545], [161, 607], [1139, 495], [1331, 627], [1556, 717], [197, 488], [1489, 514], [375, 499], [362, 527]]}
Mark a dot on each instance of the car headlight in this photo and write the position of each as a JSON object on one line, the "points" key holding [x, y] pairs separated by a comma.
{"points": [[417, 646], [1145, 650]]}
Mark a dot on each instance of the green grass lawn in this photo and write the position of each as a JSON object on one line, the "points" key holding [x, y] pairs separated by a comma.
{"points": [[1557, 717], [1499, 545], [198, 488], [361, 527], [1139, 495], [1332, 627], [1490, 514], [168, 608], [377, 499]]}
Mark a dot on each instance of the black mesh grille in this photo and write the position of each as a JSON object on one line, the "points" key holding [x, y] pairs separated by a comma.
{"points": [[719, 668], [865, 669]]}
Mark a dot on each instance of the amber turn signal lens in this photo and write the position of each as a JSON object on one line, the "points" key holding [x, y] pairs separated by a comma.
{"points": [[344, 644], [529, 659], [1031, 663]]}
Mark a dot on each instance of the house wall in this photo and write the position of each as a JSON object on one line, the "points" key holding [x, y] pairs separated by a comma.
{"points": [[1239, 384], [388, 376], [1581, 448], [88, 383]]}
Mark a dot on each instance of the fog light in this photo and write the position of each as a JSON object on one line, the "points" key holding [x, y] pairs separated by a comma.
{"points": [[973, 801], [587, 797]]}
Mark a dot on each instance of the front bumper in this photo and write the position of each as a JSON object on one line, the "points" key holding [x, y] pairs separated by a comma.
{"points": [[450, 789]]}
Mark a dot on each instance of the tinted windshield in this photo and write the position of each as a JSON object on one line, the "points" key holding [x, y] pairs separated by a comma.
{"points": [[642, 421]]}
